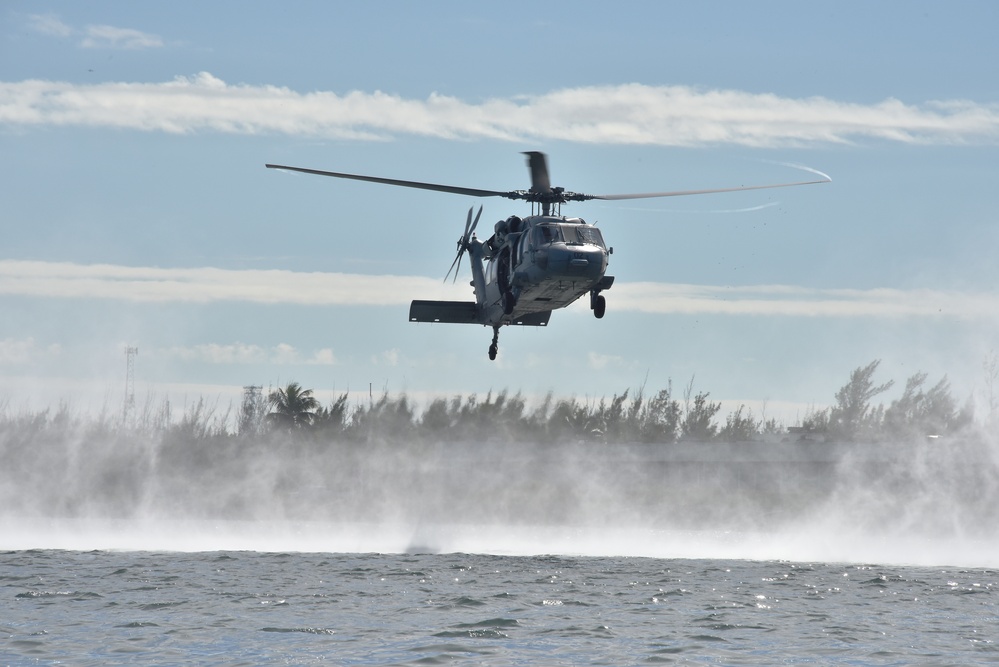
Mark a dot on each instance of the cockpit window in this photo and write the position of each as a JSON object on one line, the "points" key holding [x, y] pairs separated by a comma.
{"points": [[568, 233], [549, 234], [582, 234]]}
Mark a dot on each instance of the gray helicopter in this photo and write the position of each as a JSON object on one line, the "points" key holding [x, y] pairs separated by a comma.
{"points": [[529, 266]]}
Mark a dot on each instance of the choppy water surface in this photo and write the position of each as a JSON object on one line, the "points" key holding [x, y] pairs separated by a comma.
{"points": [[254, 608]]}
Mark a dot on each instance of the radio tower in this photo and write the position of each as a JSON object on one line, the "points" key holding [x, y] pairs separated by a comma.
{"points": [[130, 353]]}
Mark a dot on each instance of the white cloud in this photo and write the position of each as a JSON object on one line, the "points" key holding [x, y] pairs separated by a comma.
{"points": [[206, 285], [110, 37], [599, 361], [14, 352], [802, 301], [209, 285], [17, 352], [284, 354], [95, 36], [323, 357], [213, 353], [387, 358], [49, 24], [621, 114], [243, 353]]}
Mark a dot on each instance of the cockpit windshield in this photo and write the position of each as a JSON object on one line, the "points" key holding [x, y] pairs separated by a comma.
{"points": [[582, 234], [568, 233], [548, 234], [590, 235]]}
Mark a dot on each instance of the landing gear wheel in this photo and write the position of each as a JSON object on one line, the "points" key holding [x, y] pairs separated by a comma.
{"points": [[599, 306], [494, 348], [509, 301]]}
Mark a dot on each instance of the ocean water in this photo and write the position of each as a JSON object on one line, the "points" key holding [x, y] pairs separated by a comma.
{"points": [[254, 608]]}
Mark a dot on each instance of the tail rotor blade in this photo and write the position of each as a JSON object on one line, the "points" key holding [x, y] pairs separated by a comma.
{"points": [[455, 263], [474, 223], [470, 225], [468, 222]]}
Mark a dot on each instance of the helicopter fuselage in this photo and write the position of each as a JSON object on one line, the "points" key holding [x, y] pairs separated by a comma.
{"points": [[544, 262], [525, 270]]}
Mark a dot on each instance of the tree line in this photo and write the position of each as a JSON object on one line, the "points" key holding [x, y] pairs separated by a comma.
{"points": [[287, 454], [500, 416], [663, 416], [921, 411]]}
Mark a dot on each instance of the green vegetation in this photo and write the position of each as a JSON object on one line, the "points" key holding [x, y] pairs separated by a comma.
{"points": [[292, 407], [661, 417], [917, 413], [668, 456]]}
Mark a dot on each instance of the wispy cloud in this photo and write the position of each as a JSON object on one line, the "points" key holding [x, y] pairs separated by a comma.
{"points": [[110, 37], [95, 36], [386, 358], [49, 24], [20, 351], [599, 361], [620, 114], [244, 353], [208, 285], [802, 301]]}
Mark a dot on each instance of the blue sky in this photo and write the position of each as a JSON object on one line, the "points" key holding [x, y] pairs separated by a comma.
{"points": [[137, 210]]}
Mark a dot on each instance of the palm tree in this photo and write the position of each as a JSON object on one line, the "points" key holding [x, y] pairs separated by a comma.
{"points": [[292, 407]]}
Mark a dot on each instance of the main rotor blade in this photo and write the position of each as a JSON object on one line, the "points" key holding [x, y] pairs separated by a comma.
{"points": [[539, 172], [680, 193], [473, 192]]}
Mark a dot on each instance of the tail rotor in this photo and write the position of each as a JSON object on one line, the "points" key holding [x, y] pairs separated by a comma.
{"points": [[463, 243]]}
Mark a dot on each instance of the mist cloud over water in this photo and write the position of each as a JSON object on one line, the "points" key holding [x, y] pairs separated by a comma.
{"points": [[81, 486]]}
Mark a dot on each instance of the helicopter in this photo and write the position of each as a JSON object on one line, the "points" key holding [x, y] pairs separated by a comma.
{"points": [[531, 265]]}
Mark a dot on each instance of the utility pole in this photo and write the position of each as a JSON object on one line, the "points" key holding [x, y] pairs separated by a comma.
{"points": [[130, 354]]}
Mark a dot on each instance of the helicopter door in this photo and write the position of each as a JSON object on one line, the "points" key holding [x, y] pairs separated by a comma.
{"points": [[522, 249], [503, 269]]}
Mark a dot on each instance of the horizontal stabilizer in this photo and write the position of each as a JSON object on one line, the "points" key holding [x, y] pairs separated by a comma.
{"points": [[466, 312], [454, 312], [533, 319]]}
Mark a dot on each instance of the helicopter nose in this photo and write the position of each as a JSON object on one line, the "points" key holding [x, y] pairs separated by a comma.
{"points": [[578, 261]]}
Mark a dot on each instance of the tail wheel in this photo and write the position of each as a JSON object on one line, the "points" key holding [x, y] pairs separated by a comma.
{"points": [[494, 347]]}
